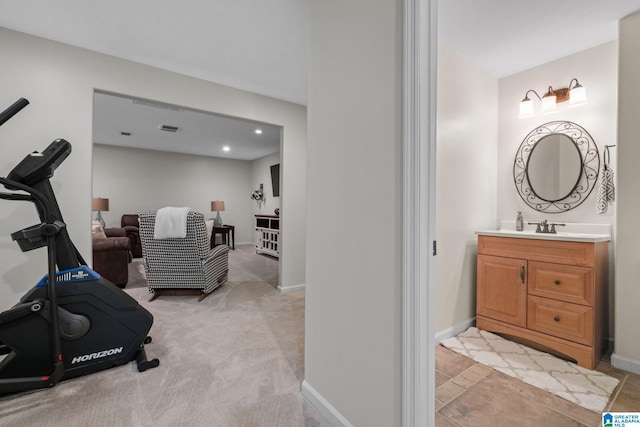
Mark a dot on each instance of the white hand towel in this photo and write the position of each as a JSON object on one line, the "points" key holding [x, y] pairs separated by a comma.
{"points": [[171, 223]]}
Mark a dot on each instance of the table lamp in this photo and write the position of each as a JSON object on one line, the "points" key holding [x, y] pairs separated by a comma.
{"points": [[100, 204], [217, 206]]}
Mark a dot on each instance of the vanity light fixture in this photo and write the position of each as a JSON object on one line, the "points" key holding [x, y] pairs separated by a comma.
{"points": [[526, 105], [549, 101], [575, 94]]}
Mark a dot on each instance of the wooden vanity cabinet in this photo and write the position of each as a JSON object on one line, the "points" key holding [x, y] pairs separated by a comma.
{"points": [[550, 294]]}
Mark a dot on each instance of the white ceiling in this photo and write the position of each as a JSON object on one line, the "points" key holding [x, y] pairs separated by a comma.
{"points": [[508, 36], [200, 133], [261, 45]]}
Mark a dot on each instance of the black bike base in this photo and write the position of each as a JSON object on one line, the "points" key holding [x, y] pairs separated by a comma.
{"points": [[141, 359]]}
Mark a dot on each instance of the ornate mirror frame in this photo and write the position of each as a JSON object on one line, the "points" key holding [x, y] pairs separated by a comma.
{"points": [[589, 171]]}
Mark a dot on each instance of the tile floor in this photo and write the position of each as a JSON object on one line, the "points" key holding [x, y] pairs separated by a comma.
{"points": [[471, 394]]}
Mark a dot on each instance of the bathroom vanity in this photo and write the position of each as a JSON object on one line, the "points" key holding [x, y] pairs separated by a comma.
{"points": [[549, 291]]}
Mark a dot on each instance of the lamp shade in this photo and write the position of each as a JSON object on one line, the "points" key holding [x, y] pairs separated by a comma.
{"points": [[548, 103], [578, 95], [217, 206], [526, 108], [100, 204]]}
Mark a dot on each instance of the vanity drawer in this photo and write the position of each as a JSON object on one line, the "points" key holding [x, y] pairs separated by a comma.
{"points": [[560, 319], [554, 251], [561, 282]]}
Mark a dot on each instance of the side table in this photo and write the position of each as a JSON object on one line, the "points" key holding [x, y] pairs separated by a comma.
{"points": [[228, 233]]}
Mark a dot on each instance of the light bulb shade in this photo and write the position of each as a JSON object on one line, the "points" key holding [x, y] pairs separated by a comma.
{"points": [[548, 103], [99, 204], [578, 95], [526, 108], [217, 206]]}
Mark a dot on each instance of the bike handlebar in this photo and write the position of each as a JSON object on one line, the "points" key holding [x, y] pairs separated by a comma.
{"points": [[13, 110]]}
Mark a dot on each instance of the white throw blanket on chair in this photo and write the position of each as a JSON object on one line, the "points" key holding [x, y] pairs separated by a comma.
{"points": [[171, 223]]}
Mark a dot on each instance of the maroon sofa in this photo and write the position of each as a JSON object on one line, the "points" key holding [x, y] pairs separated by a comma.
{"points": [[112, 255], [130, 224]]}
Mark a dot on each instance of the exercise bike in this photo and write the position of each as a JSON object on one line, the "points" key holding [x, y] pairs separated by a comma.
{"points": [[73, 321]]}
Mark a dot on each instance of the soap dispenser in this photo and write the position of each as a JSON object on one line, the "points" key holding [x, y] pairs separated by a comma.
{"points": [[519, 222]]}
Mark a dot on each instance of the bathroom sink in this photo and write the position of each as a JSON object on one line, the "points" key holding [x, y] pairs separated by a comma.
{"points": [[560, 235]]}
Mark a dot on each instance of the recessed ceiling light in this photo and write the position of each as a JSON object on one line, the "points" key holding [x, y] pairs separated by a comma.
{"points": [[226, 148], [258, 131]]}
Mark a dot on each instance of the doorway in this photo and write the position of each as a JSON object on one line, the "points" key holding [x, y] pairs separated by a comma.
{"points": [[149, 154]]}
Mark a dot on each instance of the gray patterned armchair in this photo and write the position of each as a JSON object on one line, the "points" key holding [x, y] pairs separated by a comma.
{"points": [[176, 266]]}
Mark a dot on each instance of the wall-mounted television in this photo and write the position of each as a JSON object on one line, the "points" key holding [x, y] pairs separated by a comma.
{"points": [[275, 179]]}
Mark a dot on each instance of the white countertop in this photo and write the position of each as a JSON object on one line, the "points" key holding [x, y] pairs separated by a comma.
{"points": [[560, 235]]}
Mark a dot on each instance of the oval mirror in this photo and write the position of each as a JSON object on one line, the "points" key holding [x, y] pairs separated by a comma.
{"points": [[556, 167]]}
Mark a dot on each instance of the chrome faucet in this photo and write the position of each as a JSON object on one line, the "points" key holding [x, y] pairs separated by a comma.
{"points": [[553, 227], [546, 227], [540, 225]]}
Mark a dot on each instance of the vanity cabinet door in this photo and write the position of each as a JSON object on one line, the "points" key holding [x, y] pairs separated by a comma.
{"points": [[502, 289]]}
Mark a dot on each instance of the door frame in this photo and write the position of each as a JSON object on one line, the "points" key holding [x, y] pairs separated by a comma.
{"points": [[419, 245]]}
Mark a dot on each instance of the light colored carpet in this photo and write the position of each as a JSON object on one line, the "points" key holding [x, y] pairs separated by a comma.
{"points": [[589, 389], [234, 359]]}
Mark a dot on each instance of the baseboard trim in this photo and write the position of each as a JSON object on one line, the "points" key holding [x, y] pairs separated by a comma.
{"points": [[285, 289], [455, 330], [320, 403], [626, 364]]}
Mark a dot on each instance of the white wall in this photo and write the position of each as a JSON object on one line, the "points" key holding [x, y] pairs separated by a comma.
{"points": [[261, 174], [597, 71], [60, 80], [353, 293], [467, 138], [627, 292], [135, 180]]}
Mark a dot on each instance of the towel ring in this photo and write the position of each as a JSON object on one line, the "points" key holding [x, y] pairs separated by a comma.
{"points": [[607, 155]]}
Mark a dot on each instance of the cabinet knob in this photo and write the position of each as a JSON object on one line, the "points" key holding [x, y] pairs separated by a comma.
{"points": [[556, 318], [557, 282]]}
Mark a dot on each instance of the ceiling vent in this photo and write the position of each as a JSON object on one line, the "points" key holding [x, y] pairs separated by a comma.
{"points": [[168, 128]]}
